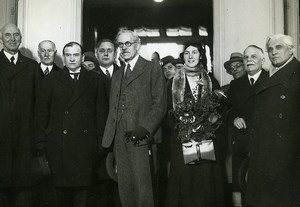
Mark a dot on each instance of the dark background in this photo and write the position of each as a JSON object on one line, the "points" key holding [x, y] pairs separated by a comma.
{"points": [[107, 16]]}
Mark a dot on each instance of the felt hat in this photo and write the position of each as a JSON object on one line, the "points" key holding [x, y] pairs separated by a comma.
{"points": [[89, 56], [234, 57], [178, 61], [167, 59]]}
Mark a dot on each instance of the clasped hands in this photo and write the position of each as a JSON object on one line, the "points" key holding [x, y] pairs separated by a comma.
{"points": [[137, 135]]}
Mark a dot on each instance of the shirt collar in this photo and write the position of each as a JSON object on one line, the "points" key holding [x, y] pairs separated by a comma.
{"points": [[274, 69], [76, 71], [255, 77], [45, 66], [132, 62], [110, 69], [8, 55]]}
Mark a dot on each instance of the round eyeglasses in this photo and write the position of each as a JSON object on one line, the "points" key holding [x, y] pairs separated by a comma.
{"points": [[127, 44]]}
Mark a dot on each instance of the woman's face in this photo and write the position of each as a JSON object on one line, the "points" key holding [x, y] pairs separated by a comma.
{"points": [[191, 56]]}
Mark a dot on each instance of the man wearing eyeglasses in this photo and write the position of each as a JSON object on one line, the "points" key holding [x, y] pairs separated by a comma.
{"points": [[241, 96], [47, 52], [137, 107]]}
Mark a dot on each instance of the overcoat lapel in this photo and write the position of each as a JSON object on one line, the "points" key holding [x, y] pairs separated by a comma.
{"points": [[137, 70], [20, 66], [280, 77], [85, 79], [66, 78]]}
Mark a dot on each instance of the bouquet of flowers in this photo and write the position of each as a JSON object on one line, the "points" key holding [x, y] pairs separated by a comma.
{"points": [[197, 120]]}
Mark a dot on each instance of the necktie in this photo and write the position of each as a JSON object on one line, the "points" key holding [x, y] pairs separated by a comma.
{"points": [[12, 59], [75, 76], [107, 74], [252, 81], [46, 72], [128, 71]]}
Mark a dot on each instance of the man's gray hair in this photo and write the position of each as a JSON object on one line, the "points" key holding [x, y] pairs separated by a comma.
{"points": [[134, 34], [53, 44], [288, 40]]}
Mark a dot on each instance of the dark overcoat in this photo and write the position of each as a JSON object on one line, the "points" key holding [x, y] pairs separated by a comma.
{"points": [[70, 118], [18, 87], [274, 167], [241, 97]]}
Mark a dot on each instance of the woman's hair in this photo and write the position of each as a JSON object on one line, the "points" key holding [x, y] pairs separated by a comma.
{"points": [[201, 50]]}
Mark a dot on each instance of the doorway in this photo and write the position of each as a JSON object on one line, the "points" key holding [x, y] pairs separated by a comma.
{"points": [[163, 27]]}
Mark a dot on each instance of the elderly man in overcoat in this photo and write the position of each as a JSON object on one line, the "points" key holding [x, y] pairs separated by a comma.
{"points": [[19, 80], [137, 107], [274, 167], [70, 114]]}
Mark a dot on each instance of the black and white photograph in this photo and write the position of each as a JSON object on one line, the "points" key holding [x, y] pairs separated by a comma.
{"points": [[149, 103]]}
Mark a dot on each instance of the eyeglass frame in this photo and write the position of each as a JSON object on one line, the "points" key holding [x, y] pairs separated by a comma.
{"points": [[234, 67], [127, 44]]}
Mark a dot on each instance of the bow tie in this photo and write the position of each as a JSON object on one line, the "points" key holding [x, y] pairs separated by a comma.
{"points": [[74, 75]]}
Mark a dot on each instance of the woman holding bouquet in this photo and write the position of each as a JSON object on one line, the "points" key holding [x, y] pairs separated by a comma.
{"points": [[197, 182]]}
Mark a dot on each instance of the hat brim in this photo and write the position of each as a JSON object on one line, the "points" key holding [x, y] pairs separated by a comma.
{"points": [[227, 63]]}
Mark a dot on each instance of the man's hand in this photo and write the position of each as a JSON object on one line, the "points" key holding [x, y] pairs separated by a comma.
{"points": [[239, 123], [135, 136]]}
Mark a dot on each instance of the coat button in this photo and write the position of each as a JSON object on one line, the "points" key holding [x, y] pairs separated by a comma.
{"points": [[65, 131], [278, 135], [282, 96], [66, 112], [280, 115], [85, 131]]}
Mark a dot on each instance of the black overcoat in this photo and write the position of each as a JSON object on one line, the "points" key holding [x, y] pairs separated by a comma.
{"points": [[274, 168], [18, 87], [241, 97], [70, 118]]}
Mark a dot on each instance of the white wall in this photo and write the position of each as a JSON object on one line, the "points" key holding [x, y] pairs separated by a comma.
{"points": [[7, 13], [239, 23], [56, 20]]}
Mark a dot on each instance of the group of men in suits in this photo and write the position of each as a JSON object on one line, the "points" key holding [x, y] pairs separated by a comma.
{"points": [[262, 122], [74, 117], [61, 114]]}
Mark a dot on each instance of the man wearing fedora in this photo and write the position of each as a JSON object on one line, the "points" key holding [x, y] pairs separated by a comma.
{"points": [[168, 66], [234, 67], [236, 59], [241, 95]]}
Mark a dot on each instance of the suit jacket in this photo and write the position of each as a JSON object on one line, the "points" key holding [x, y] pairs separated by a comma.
{"points": [[18, 89], [241, 97], [146, 97], [274, 168], [69, 120]]}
